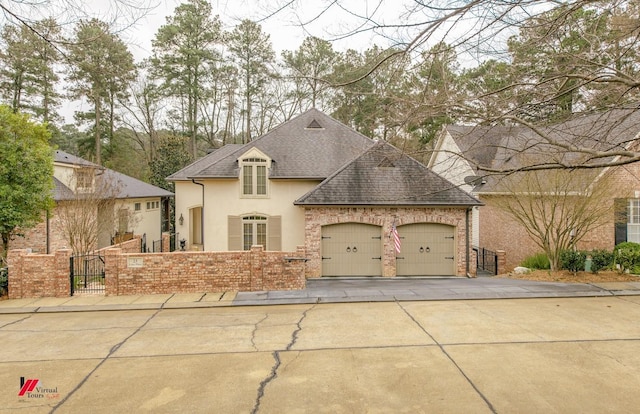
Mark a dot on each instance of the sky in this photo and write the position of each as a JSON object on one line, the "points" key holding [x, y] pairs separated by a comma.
{"points": [[284, 28]]}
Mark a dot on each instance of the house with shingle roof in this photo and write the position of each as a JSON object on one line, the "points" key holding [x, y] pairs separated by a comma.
{"points": [[315, 183], [472, 156], [135, 207]]}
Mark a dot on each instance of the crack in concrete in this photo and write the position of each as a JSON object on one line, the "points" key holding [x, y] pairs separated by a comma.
{"points": [[276, 356], [17, 321], [201, 297], [109, 355], [255, 329], [450, 358]]}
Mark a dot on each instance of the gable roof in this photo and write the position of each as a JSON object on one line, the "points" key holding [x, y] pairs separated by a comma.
{"points": [[513, 147], [125, 186], [383, 175], [310, 146]]}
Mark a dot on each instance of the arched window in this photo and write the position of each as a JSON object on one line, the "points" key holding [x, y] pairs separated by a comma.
{"points": [[254, 231], [254, 176]]}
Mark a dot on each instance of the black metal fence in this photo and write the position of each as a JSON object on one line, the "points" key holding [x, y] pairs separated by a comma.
{"points": [[87, 274], [487, 260], [173, 243]]}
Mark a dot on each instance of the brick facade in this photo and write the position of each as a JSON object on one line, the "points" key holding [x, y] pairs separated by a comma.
{"points": [[384, 217]]}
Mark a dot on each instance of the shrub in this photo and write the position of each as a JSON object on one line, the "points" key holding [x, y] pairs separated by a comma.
{"points": [[600, 260], [627, 256], [572, 260], [537, 261]]}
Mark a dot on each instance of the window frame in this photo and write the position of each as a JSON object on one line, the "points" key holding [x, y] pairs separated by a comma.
{"points": [[254, 180]]}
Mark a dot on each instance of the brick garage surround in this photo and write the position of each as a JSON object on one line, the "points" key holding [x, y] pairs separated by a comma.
{"points": [[316, 217]]}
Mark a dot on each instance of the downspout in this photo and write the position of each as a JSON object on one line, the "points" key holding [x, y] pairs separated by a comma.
{"points": [[193, 180], [48, 232], [467, 241]]}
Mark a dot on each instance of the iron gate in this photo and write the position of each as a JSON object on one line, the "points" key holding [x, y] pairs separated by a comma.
{"points": [[87, 274], [487, 260]]}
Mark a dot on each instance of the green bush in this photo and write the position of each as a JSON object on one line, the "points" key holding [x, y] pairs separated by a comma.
{"points": [[572, 260], [600, 260], [537, 261], [627, 256]]}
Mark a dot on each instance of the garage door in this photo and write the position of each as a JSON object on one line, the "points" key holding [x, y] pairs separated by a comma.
{"points": [[351, 249], [428, 249]]}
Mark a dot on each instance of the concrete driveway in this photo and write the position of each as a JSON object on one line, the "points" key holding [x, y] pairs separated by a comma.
{"points": [[564, 355]]}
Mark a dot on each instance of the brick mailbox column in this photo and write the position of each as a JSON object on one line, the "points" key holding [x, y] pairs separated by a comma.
{"points": [[112, 271]]}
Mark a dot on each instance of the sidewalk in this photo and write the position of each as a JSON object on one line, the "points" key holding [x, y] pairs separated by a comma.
{"points": [[332, 291]]}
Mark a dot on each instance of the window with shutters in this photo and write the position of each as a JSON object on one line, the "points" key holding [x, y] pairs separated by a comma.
{"points": [[254, 177], [252, 230]]}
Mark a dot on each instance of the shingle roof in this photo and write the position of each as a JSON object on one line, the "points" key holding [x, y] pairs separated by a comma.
{"points": [[383, 175], [61, 192], [124, 186], [511, 147], [194, 168], [311, 146]]}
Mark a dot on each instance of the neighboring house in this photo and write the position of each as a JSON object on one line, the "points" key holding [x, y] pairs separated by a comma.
{"points": [[119, 205], [462, 154], [316, 183]]}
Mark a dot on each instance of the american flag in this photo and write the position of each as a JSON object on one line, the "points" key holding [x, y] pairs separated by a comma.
{"points": [[396, 238]]}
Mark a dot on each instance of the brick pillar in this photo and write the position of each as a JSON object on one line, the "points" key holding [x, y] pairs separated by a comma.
{"points": [[62, 279], [166, 242], [111, 271], [473, 263], [502, 262], [15, 260], [257, 260]]}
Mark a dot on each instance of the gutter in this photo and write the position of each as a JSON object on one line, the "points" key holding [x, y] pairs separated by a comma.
{"points": [[193, 180]]}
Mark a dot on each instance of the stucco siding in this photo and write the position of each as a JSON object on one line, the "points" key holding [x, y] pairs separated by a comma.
{"points": [[223, 198]]}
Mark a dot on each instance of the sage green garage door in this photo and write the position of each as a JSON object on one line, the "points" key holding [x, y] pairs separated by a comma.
{"points": [[351, 249], [428, 249]]}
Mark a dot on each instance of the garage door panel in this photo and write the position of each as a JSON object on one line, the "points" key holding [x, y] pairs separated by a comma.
{"points": [[351, 249], [428, 249]]}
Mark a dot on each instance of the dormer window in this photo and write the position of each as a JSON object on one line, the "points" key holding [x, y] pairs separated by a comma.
{"points": [[254, 176], [84, 179]]}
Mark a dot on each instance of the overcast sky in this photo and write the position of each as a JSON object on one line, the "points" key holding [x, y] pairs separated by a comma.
{"points": [[284, 28]]}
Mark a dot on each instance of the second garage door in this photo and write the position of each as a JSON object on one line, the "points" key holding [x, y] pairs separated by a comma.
{"points": [[428, 249], [351, 249]]}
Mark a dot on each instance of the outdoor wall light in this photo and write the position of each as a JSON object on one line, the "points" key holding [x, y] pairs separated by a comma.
{"points": [[181, 219]]}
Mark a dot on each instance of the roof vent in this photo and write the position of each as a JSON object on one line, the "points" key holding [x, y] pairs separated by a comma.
{"points": [[314, 125]]}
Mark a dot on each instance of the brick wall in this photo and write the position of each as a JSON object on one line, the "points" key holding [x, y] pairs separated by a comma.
{"points": [[130, 246], [191, 272], [38, 275], [315, 218]]}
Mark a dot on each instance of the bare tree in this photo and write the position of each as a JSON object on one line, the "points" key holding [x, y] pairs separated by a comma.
{"points": [[91, 211], [556, 208]]}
